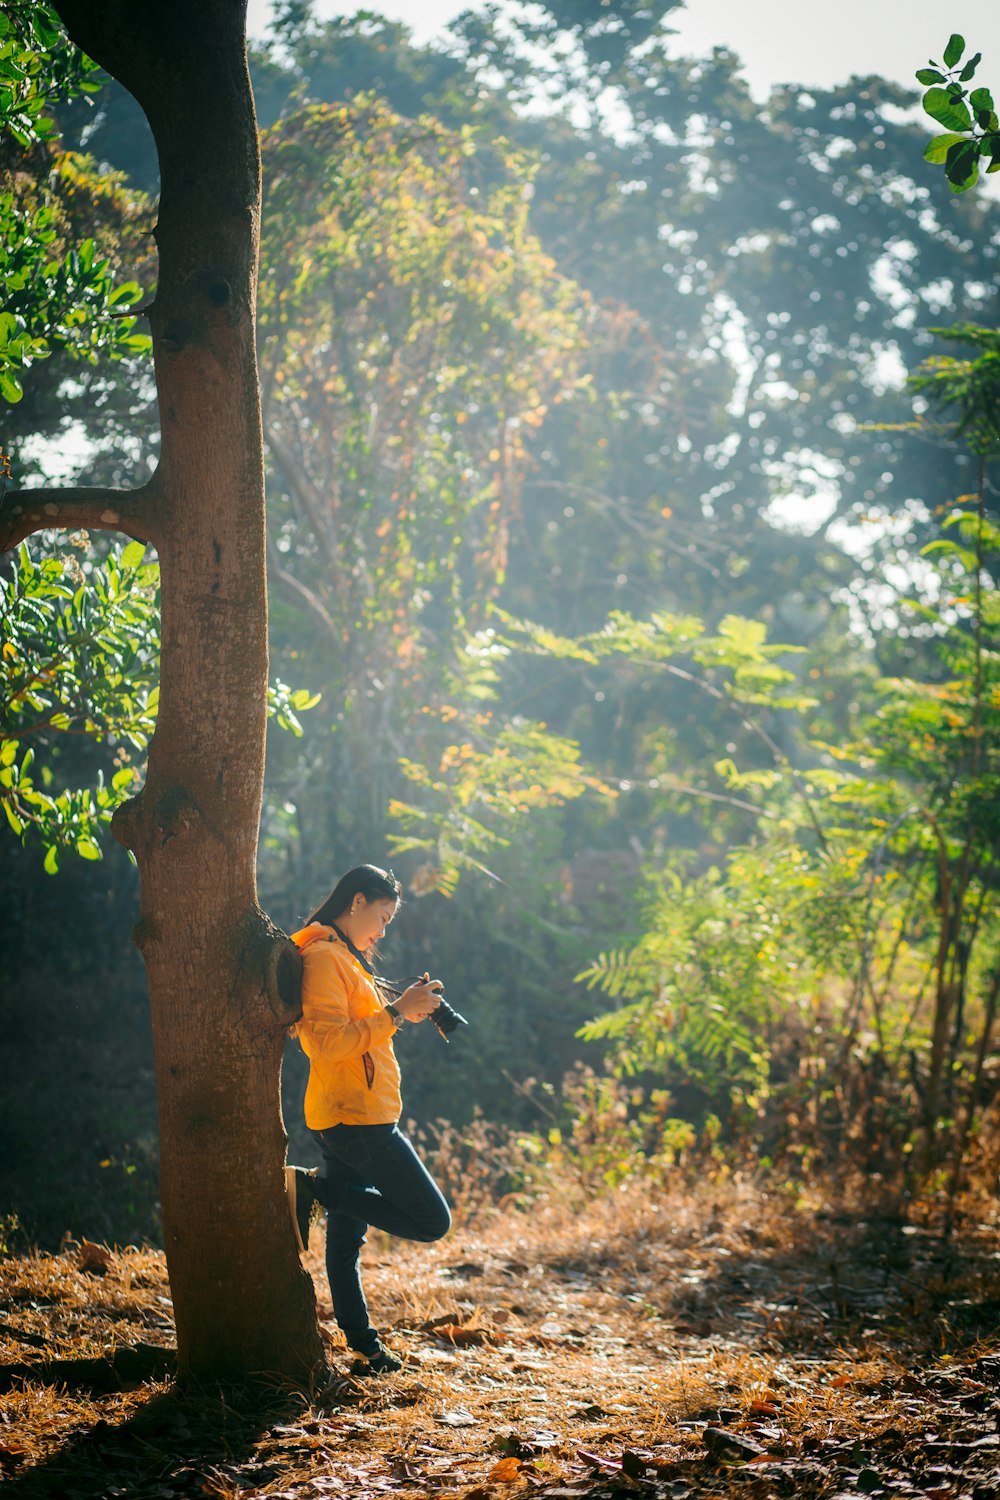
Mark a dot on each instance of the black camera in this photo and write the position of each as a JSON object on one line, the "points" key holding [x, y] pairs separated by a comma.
{"points": [[447, 1019], [444, 1016]]}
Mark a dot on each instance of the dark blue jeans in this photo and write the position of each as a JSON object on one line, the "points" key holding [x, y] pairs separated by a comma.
{"points": [[374, 1178]]}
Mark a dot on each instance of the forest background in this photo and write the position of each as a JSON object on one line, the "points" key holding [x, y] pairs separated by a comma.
{"points": [[643, 612]]}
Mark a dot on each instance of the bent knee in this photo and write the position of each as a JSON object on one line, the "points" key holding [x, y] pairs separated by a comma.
{"points": [[436, 1225]]}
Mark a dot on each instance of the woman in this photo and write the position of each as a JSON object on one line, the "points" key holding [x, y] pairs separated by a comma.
{"points": [[373, 1176]]}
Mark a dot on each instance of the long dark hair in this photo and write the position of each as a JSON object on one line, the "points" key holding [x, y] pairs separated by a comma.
{"points": [[370, 881]]}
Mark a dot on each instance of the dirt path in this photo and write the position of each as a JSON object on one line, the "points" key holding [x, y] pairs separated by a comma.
{"points": [[711, 1344]]}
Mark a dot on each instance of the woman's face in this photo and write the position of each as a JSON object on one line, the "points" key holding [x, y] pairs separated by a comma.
{"points": [[369, 919]]}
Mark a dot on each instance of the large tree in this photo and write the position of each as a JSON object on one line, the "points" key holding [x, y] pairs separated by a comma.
{"points": [[214, 963]]}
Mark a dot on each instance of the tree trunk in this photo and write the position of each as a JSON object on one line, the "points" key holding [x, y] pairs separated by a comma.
{"points": [[241, 1301]]}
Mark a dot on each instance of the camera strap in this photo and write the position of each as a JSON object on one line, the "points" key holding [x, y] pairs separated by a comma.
{"points": [[356, 951], [395, 990]]}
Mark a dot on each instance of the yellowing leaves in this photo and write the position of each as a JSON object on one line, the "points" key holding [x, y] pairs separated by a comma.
{"points": [[456, 755], [535, 417]]}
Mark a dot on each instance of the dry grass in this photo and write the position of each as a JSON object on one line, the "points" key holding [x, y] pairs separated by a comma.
{"points": [[708, 1341]]}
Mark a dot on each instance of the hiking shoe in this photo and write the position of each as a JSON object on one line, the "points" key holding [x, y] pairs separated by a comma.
{"points": [[300, 1190], [377, 1361]]}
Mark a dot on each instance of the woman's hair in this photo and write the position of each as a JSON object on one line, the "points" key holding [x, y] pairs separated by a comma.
{"points": [[368, 880]]}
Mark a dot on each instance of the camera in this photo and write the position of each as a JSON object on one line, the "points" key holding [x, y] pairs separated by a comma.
{"points": [[444, 1016], [447, 1019]]}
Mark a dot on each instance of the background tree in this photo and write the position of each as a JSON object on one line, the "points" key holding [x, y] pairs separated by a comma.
{"points": [[413, 335]]}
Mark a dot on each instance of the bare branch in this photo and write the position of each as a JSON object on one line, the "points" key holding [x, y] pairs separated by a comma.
{"points": [[299, 590], [304, 491], [23, 512]]}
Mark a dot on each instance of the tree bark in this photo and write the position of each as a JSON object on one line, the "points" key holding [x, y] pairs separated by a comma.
{"points": [[241, 1301]]}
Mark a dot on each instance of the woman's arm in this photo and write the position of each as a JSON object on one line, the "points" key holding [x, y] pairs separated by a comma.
{"points": [[326, 1029]]}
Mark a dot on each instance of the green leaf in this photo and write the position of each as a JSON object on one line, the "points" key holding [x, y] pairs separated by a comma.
{"points": [[962, 164], [954, 49], [10, 387], [981, 99], [949, 112], [12, 818], [746, 635], [929, 75], [129, 291], [970, 68], [8, 752], [133, 554], [87, 849], [964, 555], [938, 147], [52, 860], [122, 779]]}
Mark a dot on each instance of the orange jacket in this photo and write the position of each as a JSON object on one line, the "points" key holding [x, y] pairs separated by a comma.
{"points": [[347, 1036]]}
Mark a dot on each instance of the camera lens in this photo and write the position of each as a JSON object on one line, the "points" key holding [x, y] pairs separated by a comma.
{"points": [[446, 1019]]}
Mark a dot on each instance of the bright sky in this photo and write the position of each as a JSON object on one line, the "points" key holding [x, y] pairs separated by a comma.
{"points": [[780, 41]]}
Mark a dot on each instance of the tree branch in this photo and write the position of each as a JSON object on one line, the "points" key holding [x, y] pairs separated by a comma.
{"points": [[299, 590], [23, 512], [304, 491]]}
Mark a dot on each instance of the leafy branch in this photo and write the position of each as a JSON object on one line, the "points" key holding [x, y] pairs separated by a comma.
{"points": [[58, 295], [972, 131], [81, 657]]}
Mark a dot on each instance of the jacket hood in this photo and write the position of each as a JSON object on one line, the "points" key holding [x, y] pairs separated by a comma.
{"points": [[314, 933]]}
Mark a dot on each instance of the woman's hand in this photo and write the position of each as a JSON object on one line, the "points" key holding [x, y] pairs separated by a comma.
{"points": [[418, 1001]]}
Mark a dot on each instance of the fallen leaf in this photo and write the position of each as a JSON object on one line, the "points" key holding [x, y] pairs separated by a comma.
{"points": [[597, 1462], [444, 1321], [512, 1445], [633, 1464], [95, 1257], [505, 1469], [463, 1337], [722, 1443], [457, 1417], [565, 1492]]}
